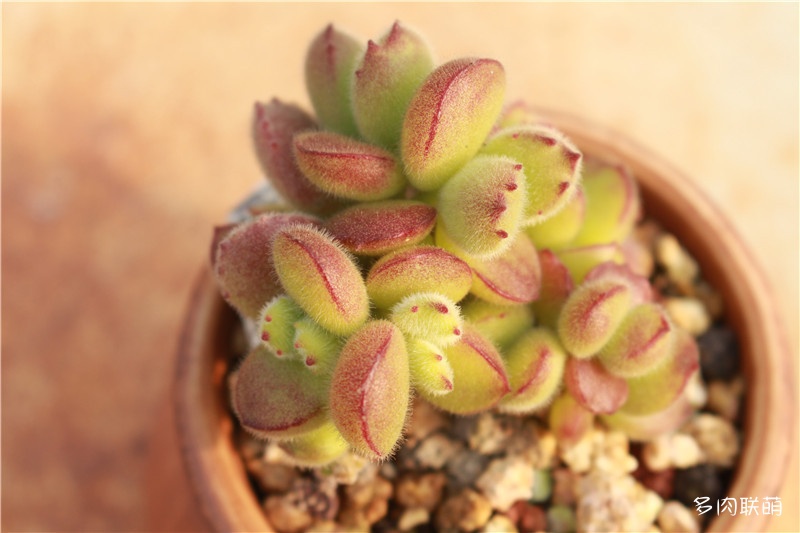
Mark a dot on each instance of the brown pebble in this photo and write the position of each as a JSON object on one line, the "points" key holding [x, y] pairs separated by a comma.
{"points": [[534, 442], [360, 493], [662, 285], [366, 502], [712, 300], [661, 482], [413, 517], [353, 519], [375, 510], [491, 433], [388, 470], [528, 517], [425, 490], [466, 510], [424, 420], [275, 477], [349, 469], [323, 500], [564, 485], [646, 233], [249, 447], [383, 489], [326, 526], [286, 513]]}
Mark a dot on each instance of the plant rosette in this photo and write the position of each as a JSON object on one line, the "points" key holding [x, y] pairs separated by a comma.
{"points": [[477, 316]]}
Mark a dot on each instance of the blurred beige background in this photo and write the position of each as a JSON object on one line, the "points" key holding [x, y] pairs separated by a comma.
{"points": [[125, 137]]}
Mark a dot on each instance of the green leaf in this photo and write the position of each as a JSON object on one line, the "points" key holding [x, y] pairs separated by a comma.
{"points": [[387, 78], [370, 389], [449, 118], [330, 64]]}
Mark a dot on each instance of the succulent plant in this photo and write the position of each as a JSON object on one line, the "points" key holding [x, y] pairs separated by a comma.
{"points": [[432, 242]]}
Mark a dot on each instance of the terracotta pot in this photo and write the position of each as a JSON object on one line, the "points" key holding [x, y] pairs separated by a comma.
{"points": [[224, 500]]}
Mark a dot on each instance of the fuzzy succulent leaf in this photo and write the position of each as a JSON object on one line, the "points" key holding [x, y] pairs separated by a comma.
{"points": [[535, 366], [591, 316], [638, 256], [430, 316], [370, 389], [330, 63], [581, 260], [321, 277], [560, 230], [274, 126], [556, 286], [417, 269], [318, 447], [481, 207], [612, 205], [517, 113], [641, 343], [387, 78], [659, 388], [641, 290], [430, 369], [513, 277], [276, 321], [277, 398], [501, 324], [569, 420], [648, 427], [243, 266], [551, 163], [377, 228], [594, 387], [448, 119], [317, 348], [219, 233], [479, 376], [347, 168]]}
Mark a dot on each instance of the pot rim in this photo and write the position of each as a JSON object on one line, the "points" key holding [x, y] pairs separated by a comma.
{"points": [[205, 430]]}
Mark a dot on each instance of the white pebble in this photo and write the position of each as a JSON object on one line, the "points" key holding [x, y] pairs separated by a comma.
{"points": [[674, 450], [716, 437], [436, 450], [685, 451], [499, 524], [695, 391], [505, 481], [675, 518], [412, 518], [680, 266], [689, 314], [656, 454]]}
